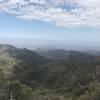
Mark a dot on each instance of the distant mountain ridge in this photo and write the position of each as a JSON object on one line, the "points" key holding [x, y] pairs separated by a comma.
{"points": [[62, 54], [93, 52]]}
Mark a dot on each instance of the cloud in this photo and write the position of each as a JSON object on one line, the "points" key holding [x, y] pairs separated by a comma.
{"points": [[65, 13]]}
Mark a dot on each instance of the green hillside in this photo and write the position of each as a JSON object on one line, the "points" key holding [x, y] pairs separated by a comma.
{"points": [[26, 75]]}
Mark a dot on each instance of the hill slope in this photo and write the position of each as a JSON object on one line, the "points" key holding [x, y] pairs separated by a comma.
{"points": [[30, 76], [12, 58], [67, 68]]}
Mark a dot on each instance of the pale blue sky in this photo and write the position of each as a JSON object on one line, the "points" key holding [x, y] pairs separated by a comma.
{"points": [[13, 27], [77, 21]]}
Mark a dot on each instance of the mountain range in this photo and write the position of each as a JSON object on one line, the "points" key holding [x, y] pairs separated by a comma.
{"points": [[52, 74]]}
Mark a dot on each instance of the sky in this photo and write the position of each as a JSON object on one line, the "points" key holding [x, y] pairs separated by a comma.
{"points": [[70, 20]]}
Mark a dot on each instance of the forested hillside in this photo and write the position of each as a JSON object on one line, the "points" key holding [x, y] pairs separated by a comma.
{"points": [[51, 75]]}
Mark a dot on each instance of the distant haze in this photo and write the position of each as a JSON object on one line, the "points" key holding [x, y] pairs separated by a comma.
{"points": [[51, 44]]}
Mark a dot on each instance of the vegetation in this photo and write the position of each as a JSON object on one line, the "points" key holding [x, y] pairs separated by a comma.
{"points": [[26, 75]]}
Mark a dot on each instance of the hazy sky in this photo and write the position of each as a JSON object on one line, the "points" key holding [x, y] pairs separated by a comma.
{"points": [[50, 19]]}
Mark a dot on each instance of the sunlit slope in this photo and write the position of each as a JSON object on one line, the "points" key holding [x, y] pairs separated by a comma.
{"points": [[13, 59], [7, 62]]}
